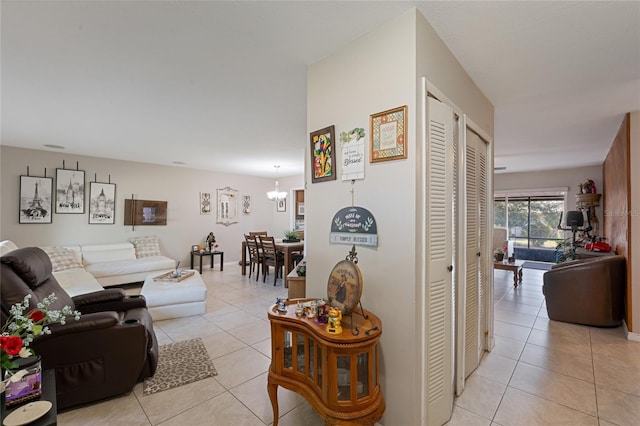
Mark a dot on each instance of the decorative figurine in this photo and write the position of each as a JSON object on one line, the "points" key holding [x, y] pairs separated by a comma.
{"points": [[211, 239], [335, 316], [282, 308], [299, 310]]}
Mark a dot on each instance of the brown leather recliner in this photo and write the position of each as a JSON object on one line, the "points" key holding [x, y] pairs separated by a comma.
{"points": [[588, 292], [105, 353]]}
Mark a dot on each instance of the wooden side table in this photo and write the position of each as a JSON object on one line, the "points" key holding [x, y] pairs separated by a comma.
{"points": [[336, 373], [515, 267], [48, 394], [202, 254]]}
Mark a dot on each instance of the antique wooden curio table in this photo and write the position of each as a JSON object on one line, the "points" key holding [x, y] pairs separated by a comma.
{"points": [[337, 374]]}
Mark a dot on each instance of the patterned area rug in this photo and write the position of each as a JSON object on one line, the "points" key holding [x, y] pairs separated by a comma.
{"points": [[179, 364]]}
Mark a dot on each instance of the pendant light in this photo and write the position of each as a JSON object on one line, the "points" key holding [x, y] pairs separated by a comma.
{"points": [[276, 194]]}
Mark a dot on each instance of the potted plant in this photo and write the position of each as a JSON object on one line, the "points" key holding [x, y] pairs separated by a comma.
{"points": [[291, 236], [565, 251], [498, 254]]}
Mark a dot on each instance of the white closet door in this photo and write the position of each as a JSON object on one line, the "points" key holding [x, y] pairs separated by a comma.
{"points": [[460, 252], [439, 315], [485, 252], [476, 238]]}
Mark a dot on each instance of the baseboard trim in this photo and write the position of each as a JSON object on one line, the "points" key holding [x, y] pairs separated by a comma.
{"points": [[630, 335]]}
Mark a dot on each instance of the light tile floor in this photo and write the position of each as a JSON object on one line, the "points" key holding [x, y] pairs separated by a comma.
{"points": [[541, 372], [544, 372]]}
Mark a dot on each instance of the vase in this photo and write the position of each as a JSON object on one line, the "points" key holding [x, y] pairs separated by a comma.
{"points": [[499, 257], [29, 387]]}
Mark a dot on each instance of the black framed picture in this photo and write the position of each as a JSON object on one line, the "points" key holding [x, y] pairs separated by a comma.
{"points": [[69, 191], [102, 203], [35, 199]]}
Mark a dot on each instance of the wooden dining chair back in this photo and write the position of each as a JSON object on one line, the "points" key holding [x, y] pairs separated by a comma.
{"points": [[271, 257], [258, 233], [255, 255]]}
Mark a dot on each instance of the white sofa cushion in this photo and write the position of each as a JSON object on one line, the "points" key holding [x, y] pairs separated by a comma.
{"points": [[62, 258], [99, 253], [146, 246], [130, 266], [6, 246], [77, 281]]}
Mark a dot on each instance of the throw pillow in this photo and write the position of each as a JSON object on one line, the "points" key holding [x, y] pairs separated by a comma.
{"points": [[61, 258], [146, 246]]}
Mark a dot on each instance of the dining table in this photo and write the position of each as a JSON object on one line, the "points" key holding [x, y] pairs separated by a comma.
{"points": [[285, 248]]}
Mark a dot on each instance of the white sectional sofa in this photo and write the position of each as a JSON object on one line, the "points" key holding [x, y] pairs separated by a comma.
{"points": [[119, 263], [87, 268]]}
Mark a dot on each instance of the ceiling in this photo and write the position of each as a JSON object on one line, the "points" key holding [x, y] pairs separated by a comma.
{"points": [[222, 85]]}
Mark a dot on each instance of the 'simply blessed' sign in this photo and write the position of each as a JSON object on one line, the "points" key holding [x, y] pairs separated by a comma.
{"points": [[354, 225]]}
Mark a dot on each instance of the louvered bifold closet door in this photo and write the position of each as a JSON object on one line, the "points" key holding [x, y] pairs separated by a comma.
{"points": [[439, 190], [481, 148], [473, 254]]}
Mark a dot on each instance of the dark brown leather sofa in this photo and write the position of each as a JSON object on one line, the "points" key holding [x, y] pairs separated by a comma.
{"points": [[588, 292], [105, 353]]}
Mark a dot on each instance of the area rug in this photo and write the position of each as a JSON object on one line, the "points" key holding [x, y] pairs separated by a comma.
{"points": [[537, 265], [179, 364]]}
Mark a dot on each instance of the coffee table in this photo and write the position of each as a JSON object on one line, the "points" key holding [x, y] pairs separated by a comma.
{"points": [[515, 267]]}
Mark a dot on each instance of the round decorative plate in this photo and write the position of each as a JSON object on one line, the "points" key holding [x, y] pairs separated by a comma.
{"points": [[27, 413], [345, 286]]}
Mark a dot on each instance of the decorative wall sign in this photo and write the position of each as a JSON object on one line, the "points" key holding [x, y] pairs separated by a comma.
{"points": [[227, 206], [69, 191], [323, 155], [102, 203], [35, 199], [354, 225], [205, 203], [352, 154], [388, 131]]}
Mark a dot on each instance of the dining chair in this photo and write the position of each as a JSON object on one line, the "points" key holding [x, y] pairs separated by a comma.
{"points": [[258, 233], [271, 257], [255, 255]]}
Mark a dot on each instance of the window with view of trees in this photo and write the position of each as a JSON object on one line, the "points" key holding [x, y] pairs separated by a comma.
{"points": [[532, 221]]}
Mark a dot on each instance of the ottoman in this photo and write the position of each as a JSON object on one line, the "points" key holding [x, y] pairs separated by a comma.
{"points": [[170, 299]]}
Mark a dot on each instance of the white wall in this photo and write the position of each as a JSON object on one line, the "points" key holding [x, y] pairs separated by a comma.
{"points": [[375, 73], [179, 186]]}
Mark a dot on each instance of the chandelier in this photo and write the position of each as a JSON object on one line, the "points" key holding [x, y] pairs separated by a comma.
{"points": [[276, 194]]}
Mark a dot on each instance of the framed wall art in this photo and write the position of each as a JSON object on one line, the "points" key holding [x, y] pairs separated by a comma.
{"points": [[36, 203], [145, 212], [323, 155], [205, 203], [69, 191], [227, 206], [246, 204], [281, 205], [388, 135], [102, 203]]}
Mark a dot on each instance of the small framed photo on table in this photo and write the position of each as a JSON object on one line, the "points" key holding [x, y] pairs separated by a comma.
{"points": [[195, 248]]}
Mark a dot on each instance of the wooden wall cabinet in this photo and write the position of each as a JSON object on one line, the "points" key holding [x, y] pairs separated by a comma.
{"points": [[337, 374]]}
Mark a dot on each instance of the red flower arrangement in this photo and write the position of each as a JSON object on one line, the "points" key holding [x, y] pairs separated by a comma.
{"points": [[20, 329]]}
